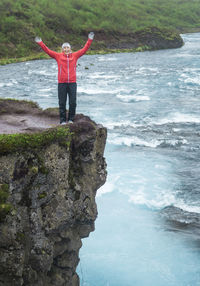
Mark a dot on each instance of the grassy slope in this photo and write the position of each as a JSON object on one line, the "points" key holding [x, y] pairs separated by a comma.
{"points": [[59, 20]]}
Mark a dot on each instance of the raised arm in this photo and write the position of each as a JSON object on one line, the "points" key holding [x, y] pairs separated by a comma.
{"points": [[45, 48], [86, 47]]}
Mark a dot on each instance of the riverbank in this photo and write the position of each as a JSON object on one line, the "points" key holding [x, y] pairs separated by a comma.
{"points": [[42, 56], [112, 42]]}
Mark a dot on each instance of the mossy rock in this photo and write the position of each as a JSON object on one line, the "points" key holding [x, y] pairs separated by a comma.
{"points": [[34, 56], [5, 208], [10, 143], [3, 196], [34, 170], [4, 193], [42, 195]]}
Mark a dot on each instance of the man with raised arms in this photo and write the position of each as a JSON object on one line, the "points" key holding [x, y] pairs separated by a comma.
{"points": [[66, 61]]}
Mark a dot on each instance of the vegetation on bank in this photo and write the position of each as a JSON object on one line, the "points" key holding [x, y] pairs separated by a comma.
{"points": [[57, 21], [40, 56]]}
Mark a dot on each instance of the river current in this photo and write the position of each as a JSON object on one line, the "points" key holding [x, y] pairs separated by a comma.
{"points": [[147, 231]]}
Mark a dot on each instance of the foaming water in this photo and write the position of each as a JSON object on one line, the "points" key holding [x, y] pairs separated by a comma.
{"points": [[149, 103], [132, 141], [153, 143], [130, 98], [177, 118]]}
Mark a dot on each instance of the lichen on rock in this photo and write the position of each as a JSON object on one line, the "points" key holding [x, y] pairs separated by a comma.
{"points": [[48, 190]]}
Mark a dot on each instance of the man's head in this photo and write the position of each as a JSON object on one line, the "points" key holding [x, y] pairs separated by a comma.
{"points": [[66, 48]]}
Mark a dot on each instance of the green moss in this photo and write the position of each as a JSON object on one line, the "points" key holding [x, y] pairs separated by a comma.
{"points": [[42, 195], [10, 143], [68, 143], [6, 61], [5, 208], [142, 48], [43, 252], [3, 196], [20, 237], [34, 170], [43, 170], [4, 188], [41, 165]]}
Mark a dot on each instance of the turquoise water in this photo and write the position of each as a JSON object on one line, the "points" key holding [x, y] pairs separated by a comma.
{"points": [[147, 231], [132, 245]]}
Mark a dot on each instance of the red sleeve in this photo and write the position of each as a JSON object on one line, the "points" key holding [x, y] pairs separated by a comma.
{"points": [[47, 50], [81, 52]]}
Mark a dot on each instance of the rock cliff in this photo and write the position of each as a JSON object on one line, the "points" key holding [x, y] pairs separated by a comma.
{"points": [[48, 181]]}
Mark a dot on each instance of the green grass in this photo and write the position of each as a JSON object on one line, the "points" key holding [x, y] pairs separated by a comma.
{"points": [[92, 52], [57, 21], [35, 56]]}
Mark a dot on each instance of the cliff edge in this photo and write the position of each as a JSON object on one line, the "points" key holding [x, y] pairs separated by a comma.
{"points": [[48, 181]]}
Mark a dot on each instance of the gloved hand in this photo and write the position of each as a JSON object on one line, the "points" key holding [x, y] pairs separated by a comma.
{"points": [[91, 35], [38, 39]]}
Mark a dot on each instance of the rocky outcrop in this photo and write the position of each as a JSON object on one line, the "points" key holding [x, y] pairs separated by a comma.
{"points": [[48, 182], [152, 38]]}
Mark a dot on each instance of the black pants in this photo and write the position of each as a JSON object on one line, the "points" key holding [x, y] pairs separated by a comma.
{"points": [[63, 90]]}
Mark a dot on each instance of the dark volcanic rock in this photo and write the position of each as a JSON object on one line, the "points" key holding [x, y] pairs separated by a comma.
{"points": [[47, 199], [150, 38]]}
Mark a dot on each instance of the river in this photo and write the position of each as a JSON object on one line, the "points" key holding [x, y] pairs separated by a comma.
{"points": [[147, 231]]}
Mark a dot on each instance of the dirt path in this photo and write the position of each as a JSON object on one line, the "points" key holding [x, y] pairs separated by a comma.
{"points": [[14, 123], [22, 117]]}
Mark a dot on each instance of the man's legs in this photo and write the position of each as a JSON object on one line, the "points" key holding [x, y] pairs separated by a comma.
{"points": [[72, 87], [62, 98]]}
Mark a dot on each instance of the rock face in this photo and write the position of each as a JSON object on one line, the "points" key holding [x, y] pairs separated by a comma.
{"points": [[47, 201], [151, 38]]}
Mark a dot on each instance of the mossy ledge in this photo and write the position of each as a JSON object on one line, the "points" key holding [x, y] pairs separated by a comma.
{"points": [[49, 176], [10, 143], [30, 136]]}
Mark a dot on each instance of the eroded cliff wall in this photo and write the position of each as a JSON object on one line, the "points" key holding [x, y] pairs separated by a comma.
{"points": [[47, 201]]}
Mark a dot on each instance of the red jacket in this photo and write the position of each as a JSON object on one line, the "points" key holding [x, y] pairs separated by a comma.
{"points": [[66, 63]]}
